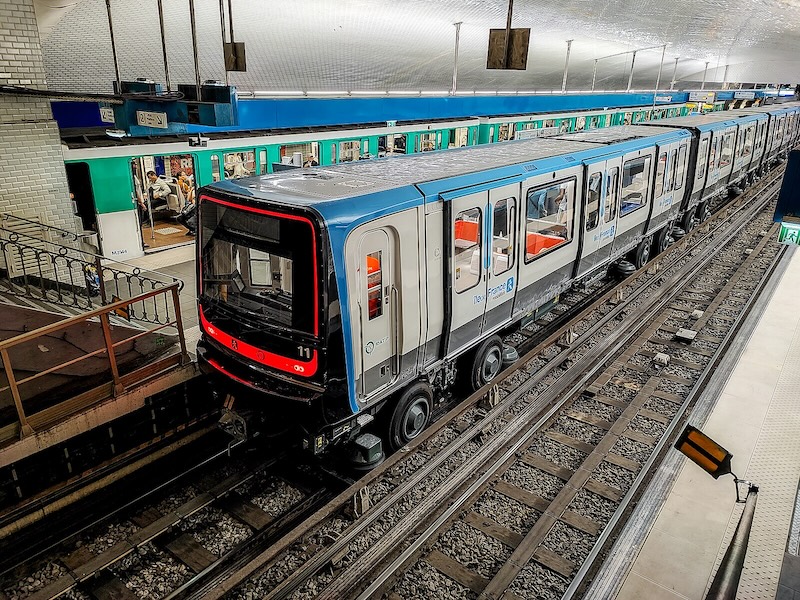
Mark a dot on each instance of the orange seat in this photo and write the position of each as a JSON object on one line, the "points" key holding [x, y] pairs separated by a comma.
{"points": [[467, 230], [536, 242]]}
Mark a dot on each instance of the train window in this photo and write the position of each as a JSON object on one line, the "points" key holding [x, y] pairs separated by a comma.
{"points": [[349, 151], [680, 170], [262, 162], [491, 134], [333, 154], [593, 190], [726, 153], [702, 155], [635, 181], [215, 168], [548, 222], [747, 147], [580, 123], [306, 151], [712, 157], [593, 122], [661, 169], [467, 248], [240, 164], [374, 285], [628, 119], [459, 137], [612, 195], [503, 226], [673, 159], [428, 141]]}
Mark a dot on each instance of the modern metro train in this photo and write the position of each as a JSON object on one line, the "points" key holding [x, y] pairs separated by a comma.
{"points": [[347, 290], [101, 170]]}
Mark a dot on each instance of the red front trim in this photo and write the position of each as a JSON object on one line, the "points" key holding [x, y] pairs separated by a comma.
{"points": [[276, 361], [279, 215]]}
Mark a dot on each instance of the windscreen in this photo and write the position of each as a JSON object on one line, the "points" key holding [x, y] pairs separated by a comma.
{"points": [[258, 265]]}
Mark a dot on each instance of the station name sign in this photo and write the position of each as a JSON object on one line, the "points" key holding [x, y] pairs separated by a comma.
{"points": [[744, 95], [707, 97], [663, 98]]}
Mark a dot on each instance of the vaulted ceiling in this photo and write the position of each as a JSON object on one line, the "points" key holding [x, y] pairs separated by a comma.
{"points": [[408, 45]]}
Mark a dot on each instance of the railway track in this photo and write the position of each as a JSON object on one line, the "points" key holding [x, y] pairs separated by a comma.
{"points": [[511, 492], [511, 495]]}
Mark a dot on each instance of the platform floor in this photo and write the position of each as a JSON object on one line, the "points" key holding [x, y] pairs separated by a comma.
{"points": [[757, 418]]}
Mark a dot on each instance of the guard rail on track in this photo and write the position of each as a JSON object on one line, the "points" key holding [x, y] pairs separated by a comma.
{"points": [[104, 349]]}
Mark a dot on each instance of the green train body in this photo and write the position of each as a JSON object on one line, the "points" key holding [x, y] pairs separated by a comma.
{"points": [[101, 172]]}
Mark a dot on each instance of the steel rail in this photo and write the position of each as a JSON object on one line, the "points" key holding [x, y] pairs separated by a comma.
{"points": [[644, 311]]}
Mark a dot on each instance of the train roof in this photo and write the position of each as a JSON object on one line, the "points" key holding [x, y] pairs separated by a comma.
{"points": [[350, 192], [613, 135], [707, 122]]}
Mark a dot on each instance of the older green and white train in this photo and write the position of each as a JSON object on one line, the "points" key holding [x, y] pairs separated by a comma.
{"points": [[103, 171]]}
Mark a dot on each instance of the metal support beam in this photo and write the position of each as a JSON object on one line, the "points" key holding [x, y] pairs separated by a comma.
{"points": [[222, 28], [725, 78], [113, 47], [508, 33], [705, 72], [194, 47], [566, 67], [660, 67], [594, 73], [455, 58], [630, 77], [163, 41], [674, 73]]}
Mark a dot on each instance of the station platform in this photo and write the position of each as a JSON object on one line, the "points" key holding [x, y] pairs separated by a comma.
{"points": [[756, 417]]}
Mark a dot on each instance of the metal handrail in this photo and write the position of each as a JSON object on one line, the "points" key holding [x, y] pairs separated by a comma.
{"points": [[63, 232], [103, 315], [91, 257]]}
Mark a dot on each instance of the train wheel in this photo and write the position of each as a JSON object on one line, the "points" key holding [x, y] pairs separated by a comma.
{"points": [[687, 223], [488, 362], [642, 253], [704, 212], [411, 415], [661, 239]]}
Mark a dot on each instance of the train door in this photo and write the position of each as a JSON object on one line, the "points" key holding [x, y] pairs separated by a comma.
{"points": [[79, 181], [378, 311], [468, 282], [503, 211], [600, 200]]}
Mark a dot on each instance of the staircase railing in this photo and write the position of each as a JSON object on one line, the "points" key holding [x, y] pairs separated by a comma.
{"points": [[57, 274], [6, 218]]}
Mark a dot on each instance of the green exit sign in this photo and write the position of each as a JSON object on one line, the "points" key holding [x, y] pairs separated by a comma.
{"points": [[790, 233]]}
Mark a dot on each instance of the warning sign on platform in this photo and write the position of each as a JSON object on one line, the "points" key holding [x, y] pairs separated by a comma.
{"points": [[151, 119]]}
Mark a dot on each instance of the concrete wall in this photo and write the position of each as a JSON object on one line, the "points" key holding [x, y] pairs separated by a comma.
{"points": [[33, 182]]}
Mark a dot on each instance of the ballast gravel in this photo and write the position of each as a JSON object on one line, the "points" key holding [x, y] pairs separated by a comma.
{"points": [[592, 506], [578, 430], [509, 513], [568, 542], [150, 573], [277, 497], [221, 533], [536, 581], [533, 480], [594, 407], [632, 449], [474, 549], [647, 426], [661, 406], [423, 582], [613, 475], [560, 454]]}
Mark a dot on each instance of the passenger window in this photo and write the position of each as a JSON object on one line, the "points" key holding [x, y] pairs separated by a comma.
{"points": [[262, 162], [467, 249], [681, 168], [702, 155], [747, 150], [593, 190], [635, 181], [660, 171], [215, 168], [726, 154], [673, 159], [374, 285], [503, 220], [349, 151], [612, 195], [240, 164], [548, 218], [712, 157]]}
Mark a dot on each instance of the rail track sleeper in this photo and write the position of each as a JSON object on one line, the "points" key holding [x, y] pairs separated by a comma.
{"points": [[562, 438], [553, 561], [154, 529], [655, 416], [642, 438], [621, 461], [246, 512], [677, 379], [489, 526], [611, 401], [534, 460], [190, 552], [589, 419], [527, 498], [580, 522], [604, 490], [102, 560], [456, 571], [113, 589]]}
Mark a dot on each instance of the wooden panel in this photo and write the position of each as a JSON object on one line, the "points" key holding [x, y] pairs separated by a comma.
{"points": [[590, 419], [493, 529], [612, 401], [655, 416], [456, 571], [640, 437], [113, 589], [625, 463], [570, 441], [580, 522]]}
